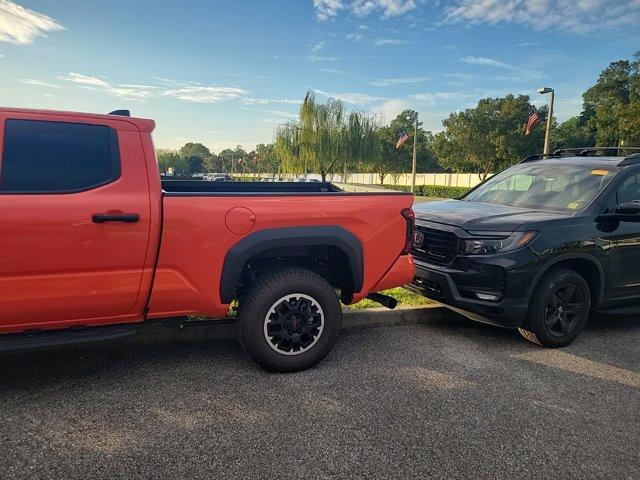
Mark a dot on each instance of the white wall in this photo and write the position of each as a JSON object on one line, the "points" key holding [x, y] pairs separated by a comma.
{"points": [[445, 179]]}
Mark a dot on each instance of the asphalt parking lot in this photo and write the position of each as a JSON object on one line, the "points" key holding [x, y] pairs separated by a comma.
{"points": [[449, 399]]}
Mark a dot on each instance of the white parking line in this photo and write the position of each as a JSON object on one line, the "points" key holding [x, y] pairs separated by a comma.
{"points": [[576, 364]]}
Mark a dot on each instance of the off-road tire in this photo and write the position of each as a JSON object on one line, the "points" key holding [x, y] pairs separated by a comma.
{"points": [[256, 306]]}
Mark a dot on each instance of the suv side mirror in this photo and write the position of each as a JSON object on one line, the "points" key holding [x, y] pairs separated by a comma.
{"points": [[629, 208], [626, 212]]}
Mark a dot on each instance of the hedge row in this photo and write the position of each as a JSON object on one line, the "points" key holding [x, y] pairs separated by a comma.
{"points": [[439, 191]]}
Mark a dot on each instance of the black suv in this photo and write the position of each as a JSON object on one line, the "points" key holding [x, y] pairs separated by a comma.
{"points": [[538, 246]]}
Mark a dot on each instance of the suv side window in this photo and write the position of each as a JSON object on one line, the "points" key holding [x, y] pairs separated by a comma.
{"points": [[629, 191], [57, 157]]}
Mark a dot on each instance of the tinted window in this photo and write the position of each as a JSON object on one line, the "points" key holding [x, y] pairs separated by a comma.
{"points": [[629, 191], [547, 185], [57, 157]]}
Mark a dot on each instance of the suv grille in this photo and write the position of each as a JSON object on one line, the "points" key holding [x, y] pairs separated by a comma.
{"points": [[434, 246]]}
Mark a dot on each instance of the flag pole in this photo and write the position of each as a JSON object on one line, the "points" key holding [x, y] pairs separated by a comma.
{"points": [[415, 151]]}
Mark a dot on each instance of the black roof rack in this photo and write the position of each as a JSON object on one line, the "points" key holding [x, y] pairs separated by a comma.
{"points": [[122, 113], [586, 151], [630, 160], [539, 156], [582, 152]]}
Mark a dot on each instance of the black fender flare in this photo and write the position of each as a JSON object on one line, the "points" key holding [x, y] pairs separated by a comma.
{"points": [[263, 240], [570, 256]]}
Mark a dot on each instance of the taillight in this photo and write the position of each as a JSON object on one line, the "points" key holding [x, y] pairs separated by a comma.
{"points": [[410, 218]]}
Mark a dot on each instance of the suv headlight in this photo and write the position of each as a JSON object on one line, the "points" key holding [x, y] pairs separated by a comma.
{"points": [[496, 244]]}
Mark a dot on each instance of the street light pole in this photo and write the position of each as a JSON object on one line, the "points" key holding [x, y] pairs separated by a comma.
{"points": [[415, 152], [547, 134]]}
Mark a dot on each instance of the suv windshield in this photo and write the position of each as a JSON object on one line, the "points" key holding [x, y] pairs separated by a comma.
{"points": [[545, 185]]}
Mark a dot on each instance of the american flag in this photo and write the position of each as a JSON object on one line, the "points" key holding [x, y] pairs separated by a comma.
{"points": [[533, 119], [403, 138]]}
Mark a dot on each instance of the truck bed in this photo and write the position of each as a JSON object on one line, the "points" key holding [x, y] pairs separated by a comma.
{"points": [[206, 187]]}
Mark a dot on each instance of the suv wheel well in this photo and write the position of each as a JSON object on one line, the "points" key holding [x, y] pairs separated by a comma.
{"points": [[331, 263], [589, 271]]}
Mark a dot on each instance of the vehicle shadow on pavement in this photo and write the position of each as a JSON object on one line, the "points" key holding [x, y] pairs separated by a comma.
{"points": [[123, 361], [603, 322], [39, 370]]}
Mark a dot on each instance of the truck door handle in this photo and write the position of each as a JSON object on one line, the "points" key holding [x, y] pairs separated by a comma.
{"points": [[115, 217]]}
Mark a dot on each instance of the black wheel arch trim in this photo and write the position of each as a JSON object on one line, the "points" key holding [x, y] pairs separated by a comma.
{"points": [[572, 256], [267, 239]]}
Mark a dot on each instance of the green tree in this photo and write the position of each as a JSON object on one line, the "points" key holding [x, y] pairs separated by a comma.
{"points": [[266, 159], [170, 159], [226, 157], [400, 160], [210, 163], [573, 133], [195, 164], [489, 137], [326, 138], [612, 105], [317, 141], [194, 150]]}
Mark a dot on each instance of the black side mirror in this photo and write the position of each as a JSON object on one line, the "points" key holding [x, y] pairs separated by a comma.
{"points": [[629, 208], [626, 212]]}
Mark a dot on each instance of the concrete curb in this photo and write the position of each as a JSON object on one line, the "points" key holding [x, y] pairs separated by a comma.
{"points": [[191, 331]]}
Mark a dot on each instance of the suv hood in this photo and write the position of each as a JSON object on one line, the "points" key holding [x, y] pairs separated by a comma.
{"points": [[472, 216]]}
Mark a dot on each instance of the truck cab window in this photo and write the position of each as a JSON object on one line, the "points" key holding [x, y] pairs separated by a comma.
{"points": [[57, 157]]}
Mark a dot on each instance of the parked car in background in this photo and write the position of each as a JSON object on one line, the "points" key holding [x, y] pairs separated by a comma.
{"points": [[91, 237], [539, 246], [218, 177]]}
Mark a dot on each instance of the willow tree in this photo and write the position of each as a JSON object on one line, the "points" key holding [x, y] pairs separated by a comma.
{"points": [[325, 137], [287, 147]]}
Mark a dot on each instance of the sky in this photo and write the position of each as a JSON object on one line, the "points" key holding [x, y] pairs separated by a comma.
{"points": [[227, 73]]}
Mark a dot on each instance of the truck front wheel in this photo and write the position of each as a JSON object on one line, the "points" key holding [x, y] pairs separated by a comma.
{"points": [[289, 320]]}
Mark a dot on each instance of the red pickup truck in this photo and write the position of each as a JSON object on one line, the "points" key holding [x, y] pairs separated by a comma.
{"points": [[91, 237]]}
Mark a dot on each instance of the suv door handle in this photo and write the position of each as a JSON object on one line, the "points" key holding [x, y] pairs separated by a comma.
{"points": [[115, 217]]}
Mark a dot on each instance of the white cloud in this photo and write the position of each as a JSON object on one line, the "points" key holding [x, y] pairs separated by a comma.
{"points": [[490, 62], [133, 92], [205, 94], [334, 71], [37, 83], [390, 41], [352, 97], [317, 47], [573, 15], [434, 98], [85, 80], [326, 9], [268, 101], [133, 85], [356, 37], [21, 26], [316, 58], [186, 91], [459, 76], [517, 75], [391, 108], [312, 58], [277, 113], [387, 82]]}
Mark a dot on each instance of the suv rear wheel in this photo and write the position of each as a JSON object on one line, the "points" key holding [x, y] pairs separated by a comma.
{"points": [[289, 320], [559, 309]]}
